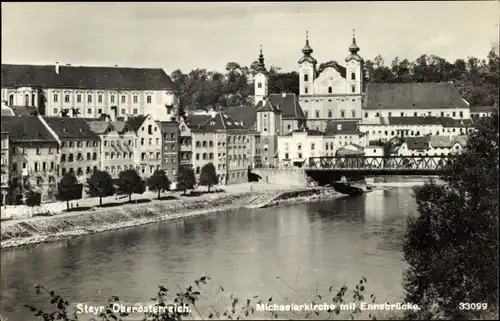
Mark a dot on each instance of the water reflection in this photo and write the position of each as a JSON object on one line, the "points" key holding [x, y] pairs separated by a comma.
{"points": [[330, 243]]}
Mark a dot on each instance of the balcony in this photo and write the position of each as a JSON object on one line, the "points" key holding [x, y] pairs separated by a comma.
{"points": [[186, 148]]}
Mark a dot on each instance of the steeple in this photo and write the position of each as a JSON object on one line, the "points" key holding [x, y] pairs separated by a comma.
{"points": [[261, 66], [307, 50], [353, 48]]}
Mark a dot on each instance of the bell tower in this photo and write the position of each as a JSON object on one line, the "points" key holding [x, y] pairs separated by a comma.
{"points": [[260, 80]]}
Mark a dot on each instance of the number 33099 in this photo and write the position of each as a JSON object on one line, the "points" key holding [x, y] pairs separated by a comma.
{"points": [[473, 306]]}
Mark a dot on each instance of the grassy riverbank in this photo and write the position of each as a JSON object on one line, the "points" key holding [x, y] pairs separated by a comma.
{"points": [[41, 229]]}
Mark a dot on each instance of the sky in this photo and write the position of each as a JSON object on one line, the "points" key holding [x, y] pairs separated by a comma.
{"points": [[208, 35]]}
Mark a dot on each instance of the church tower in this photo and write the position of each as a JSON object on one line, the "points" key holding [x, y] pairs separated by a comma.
{"points": [[260, 80], [307, 70], [354, 69]]}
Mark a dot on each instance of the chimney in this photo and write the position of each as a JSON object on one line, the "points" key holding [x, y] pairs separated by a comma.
{"points": [[57, 67], [283, 95]]}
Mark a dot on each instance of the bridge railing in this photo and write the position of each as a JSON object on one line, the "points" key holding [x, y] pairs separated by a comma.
{"points": [[380, 162]]}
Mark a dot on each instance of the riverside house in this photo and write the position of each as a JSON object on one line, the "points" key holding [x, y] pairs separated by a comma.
{"points": [[33, 155], [170, 149], [80, 146]]}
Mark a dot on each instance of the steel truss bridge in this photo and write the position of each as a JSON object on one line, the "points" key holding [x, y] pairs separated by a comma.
{"points": [[326, 169]]}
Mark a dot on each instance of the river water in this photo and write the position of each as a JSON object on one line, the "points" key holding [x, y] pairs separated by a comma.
{"points": [[309, 245]]}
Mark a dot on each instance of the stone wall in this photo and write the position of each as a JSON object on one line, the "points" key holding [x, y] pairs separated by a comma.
{"points": [[289, 176]]}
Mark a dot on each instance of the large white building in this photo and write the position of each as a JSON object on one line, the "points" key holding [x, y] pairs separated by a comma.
{"points": [[90, 92], [330, 91]]}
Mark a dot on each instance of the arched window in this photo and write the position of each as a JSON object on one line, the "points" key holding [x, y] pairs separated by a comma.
{"points": [[329, 114], [11, 100], [26, 100], [353, 88], [330, 90], [306, 77], [306, 90], [33, 98], [259, 85], [353, 113], [353, 76]]}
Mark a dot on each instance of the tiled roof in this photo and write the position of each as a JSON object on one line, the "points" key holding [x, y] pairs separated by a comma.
{"points": [[412, 96], [461, 139], [220, 121], [482, 109], [268, 106], [134, 123], [193, 121], [347, 151], [413, 120], [26, 128], [99, 126], [334, 65], [86, 77], [288, 104], [167, 126], [451, 122], [441, 141], [246, 114], [71, 128], [24, 110], [119, 125], [347, 127], [310, 132], [421, 142]]}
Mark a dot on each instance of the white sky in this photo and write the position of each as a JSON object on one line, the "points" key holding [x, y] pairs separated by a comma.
{"points": [[208, 35]]}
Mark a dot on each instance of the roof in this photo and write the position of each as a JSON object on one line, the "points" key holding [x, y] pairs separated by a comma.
{"points": [[341, 70], [268, 106], [220, 121], [119, 125], [194, 121], [461, 139], [71, 128], [246, 114], [482, 109], [99, 126], [441, 141], [310, 132], [421, 142], [347, 127], [419, 120], [347, 151], [7, 111], [24, 110], [135, 122], [26, 128], [412, 96], [86, 77], [288, 103], [451, 122], [168, 126]]}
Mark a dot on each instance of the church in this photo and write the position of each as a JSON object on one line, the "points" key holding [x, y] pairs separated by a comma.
{"points": [[327, 92]]}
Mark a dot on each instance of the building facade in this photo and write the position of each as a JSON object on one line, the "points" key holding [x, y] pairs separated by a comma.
{"points": [[80, 147], [33, 156], [84, 91], [5, 156], [149, 144], [185, 144], [117, 151], [330, 91], [170, 152], [482, 111]]}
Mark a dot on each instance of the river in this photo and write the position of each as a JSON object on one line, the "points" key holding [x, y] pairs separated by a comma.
{"points": [[308, 245]]}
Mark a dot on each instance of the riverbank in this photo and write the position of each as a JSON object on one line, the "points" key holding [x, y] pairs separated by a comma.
{"points": [[41, 229]]}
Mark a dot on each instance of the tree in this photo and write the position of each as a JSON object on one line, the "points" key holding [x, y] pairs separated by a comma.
{"points": [[33, 199], [185, 178], [130, 182], [208, 176], [452, 247], [68, 189], [100, 185], [159, 182]]}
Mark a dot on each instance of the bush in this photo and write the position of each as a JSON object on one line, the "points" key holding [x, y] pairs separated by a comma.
{"points": [[452, 247]]}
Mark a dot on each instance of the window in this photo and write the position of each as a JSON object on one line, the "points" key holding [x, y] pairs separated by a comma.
{"points": [[135, 111], [99, 98], [150, 141], [66, 98], [89, 98], [442, 114], [330, 114], [306, 113], [353, 88], [259, 85], [289, 126], [454, 114], [353, 113], [429, 113], [306, 90], [157, 141], [149, 99], [306, 78], [300, 155], [56, 98], [330, 90], [342, 114], [112, 99], [135, 99], [79, 98], [142, 141], [317, 114], [353, 76], [89, 111], [402, 114], [38, 151], [124, 99], [366, 115], [461, 114], [312, 146]]}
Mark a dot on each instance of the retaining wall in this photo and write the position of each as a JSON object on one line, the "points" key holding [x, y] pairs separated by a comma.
{"points": [[289, 176]]}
